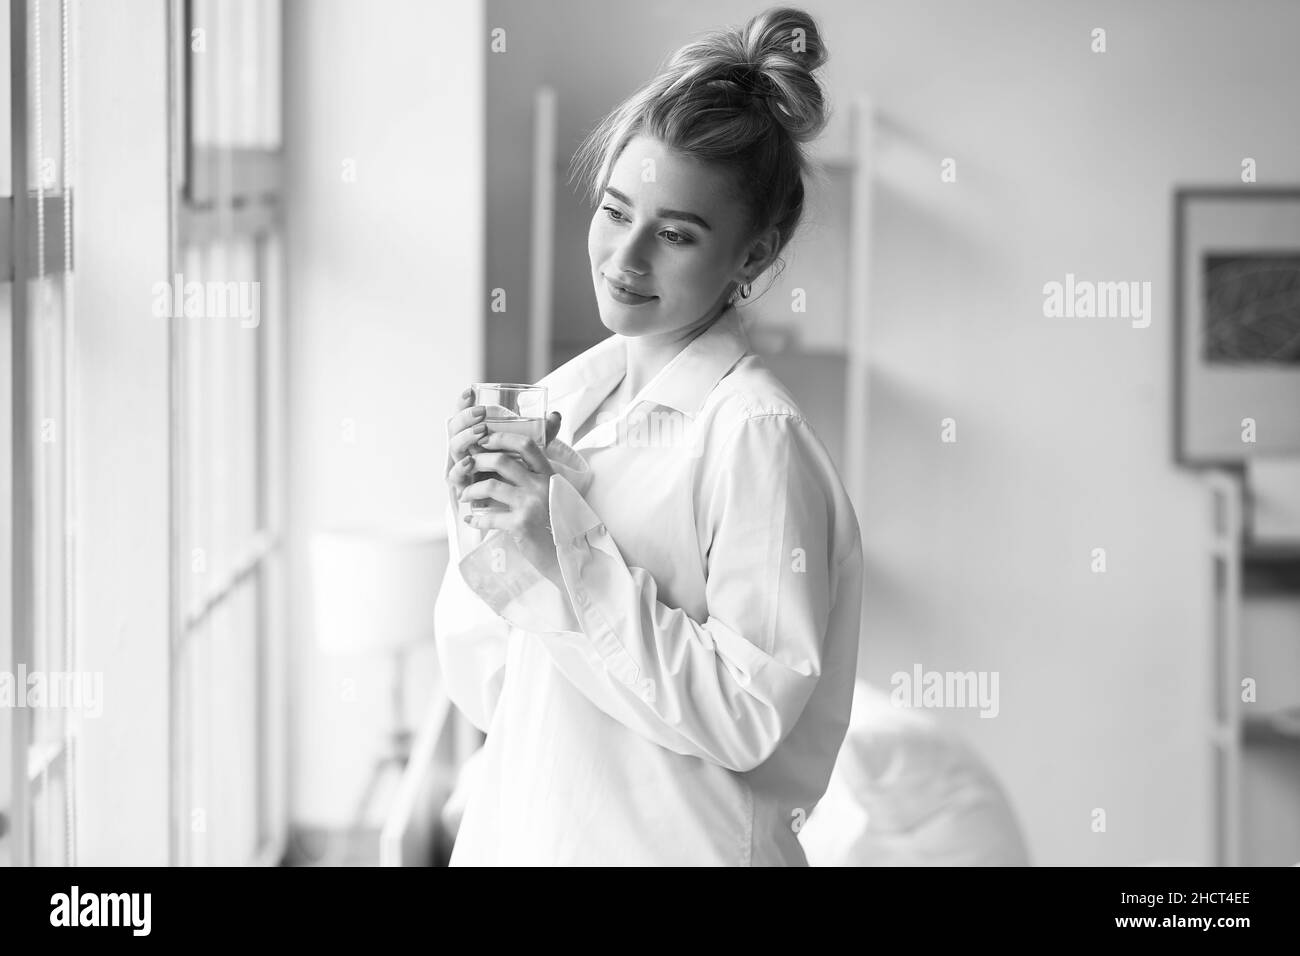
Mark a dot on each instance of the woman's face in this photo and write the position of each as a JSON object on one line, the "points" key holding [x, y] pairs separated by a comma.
{"points": [[669, 232]]}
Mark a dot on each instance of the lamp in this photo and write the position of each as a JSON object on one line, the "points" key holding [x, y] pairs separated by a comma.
{"points": [[374, 595]]}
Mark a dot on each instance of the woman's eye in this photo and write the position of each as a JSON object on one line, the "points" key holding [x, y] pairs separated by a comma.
{"points": [[674, 237]]}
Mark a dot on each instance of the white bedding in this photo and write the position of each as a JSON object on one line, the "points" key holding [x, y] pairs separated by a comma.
{"points": [[905, 792]]}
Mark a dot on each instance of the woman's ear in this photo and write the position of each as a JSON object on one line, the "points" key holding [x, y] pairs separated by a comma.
{"points": [[761, 254]]}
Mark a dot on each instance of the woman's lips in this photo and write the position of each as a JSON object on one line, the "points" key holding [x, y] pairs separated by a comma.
{"points": [[620, 294]]}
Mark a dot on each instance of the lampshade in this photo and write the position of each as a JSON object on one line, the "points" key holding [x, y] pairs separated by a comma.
{"points": [[373, 591]]}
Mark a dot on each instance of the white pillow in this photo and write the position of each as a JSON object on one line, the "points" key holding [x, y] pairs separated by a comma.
{"points": [[905, 792]]}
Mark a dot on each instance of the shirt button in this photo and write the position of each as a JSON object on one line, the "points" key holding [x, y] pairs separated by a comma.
{"points": [[582, 598]]}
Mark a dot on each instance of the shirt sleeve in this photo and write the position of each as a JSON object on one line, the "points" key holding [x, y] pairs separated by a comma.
{"points": [[730, 688], [471, 637], [470, 633]]}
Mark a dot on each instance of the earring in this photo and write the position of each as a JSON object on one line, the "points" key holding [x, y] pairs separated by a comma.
{"points": [[744, 291]]}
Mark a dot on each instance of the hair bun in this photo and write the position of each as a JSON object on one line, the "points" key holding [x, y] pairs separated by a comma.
{"points": [[773, 57], [783, 48]]}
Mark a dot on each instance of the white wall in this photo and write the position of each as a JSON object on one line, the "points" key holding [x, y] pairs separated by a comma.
{"points": [[385, 289], [122, 440], [979, 552]]}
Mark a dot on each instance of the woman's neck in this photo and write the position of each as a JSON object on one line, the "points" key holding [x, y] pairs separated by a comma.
{"points": [[648, 354]]}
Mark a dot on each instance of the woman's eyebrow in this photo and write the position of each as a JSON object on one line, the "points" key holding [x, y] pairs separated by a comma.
{"points": [[663, 213]]}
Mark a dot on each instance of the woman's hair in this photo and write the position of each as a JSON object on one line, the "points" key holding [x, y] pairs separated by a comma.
{"points": [[745, 99]]}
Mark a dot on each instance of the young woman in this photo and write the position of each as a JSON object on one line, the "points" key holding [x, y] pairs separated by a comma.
{"points": [[659, 630]]}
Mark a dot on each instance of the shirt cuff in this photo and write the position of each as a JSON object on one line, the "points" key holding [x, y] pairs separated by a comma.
{"points": [[575, 619], [568, 462], [571, 516], [499, 573]]}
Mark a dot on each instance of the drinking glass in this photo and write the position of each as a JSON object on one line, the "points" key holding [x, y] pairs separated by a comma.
{"points": [[519, 409]]}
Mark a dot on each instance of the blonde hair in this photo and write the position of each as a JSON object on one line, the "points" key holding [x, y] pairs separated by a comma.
{"points": [[745, 99]]}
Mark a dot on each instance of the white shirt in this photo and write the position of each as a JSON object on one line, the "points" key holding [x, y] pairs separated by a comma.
{"points": [[683, 699]]}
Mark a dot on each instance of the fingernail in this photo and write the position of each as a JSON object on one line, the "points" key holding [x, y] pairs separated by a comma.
{"points": [[478, 411], [467, 517], [479, 429]]}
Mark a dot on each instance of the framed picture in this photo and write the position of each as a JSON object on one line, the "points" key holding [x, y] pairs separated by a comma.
{"points": [[1237, 324]]}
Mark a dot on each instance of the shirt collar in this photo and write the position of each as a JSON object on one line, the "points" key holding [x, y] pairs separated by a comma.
{"points": [[683, 384]]}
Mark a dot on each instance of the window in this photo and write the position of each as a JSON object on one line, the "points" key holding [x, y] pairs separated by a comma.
{"points": [[39, 800], [227, 418], [187, 623]]}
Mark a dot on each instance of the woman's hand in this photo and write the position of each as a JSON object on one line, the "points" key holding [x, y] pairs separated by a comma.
{"points": [[522, 484], [464, 429]]}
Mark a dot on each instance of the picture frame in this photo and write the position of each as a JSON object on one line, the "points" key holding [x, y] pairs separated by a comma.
{"points": [[1236, 324]]}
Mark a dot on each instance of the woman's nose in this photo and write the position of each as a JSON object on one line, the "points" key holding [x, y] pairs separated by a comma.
{"points": [[629, 255]]}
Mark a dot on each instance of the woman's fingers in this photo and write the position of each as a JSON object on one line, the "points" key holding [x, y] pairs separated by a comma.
{"points": [[465, 428], [459, 471], [487, 520], [521, 445], [461, 442], [460, 474], [506, 466], [465, 418], [462, 421], [464, 414], [493, 488]]}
